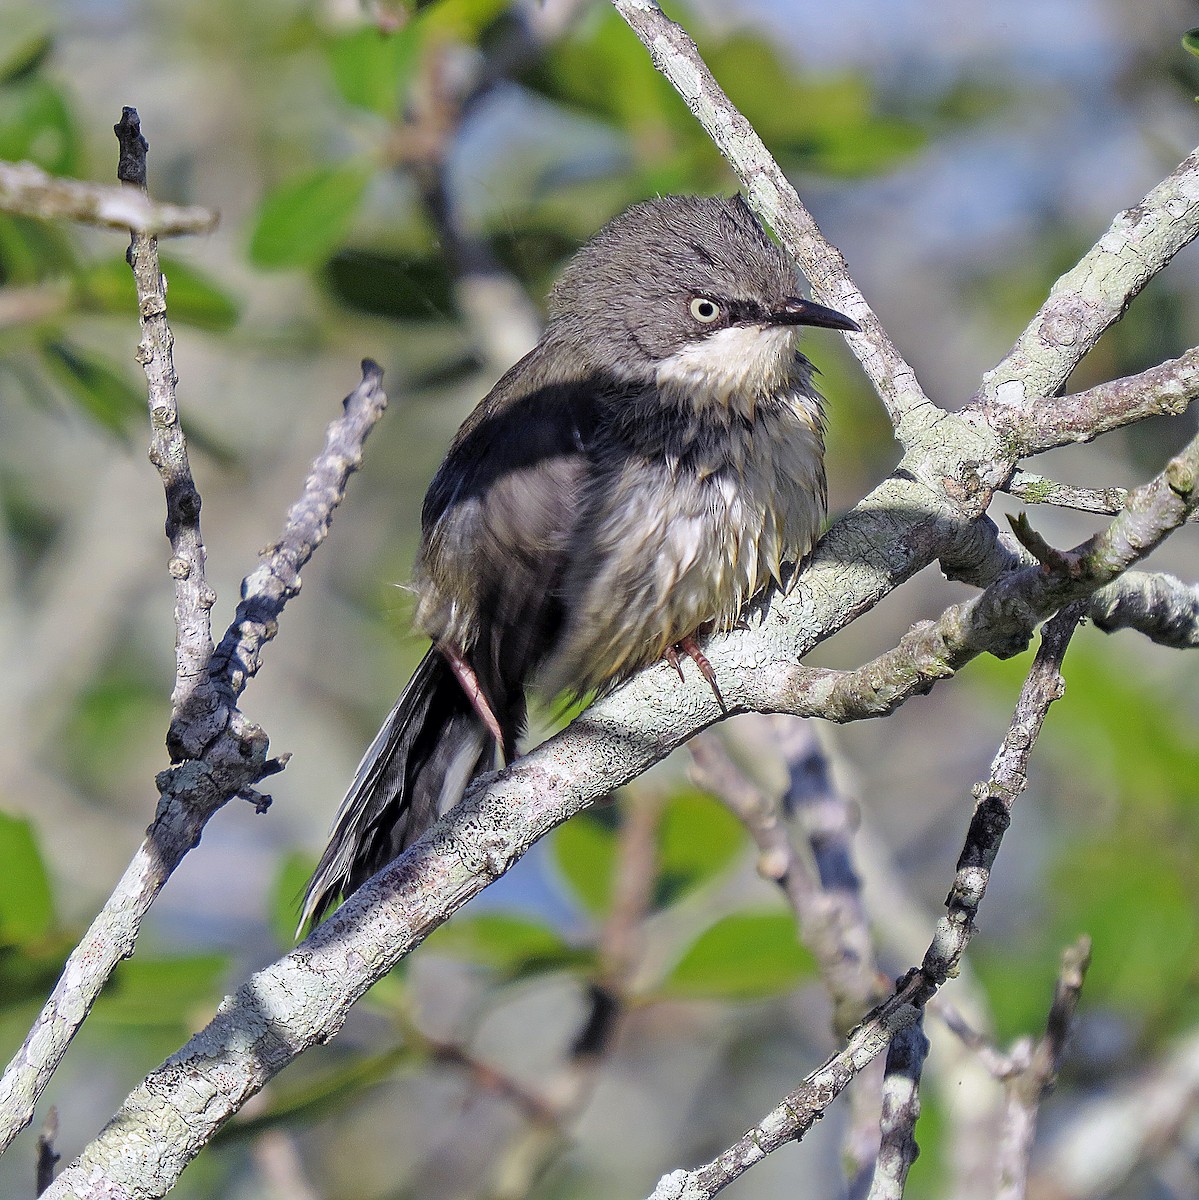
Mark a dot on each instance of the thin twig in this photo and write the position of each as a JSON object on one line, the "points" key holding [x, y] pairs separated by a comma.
{"points": [[224, 754], [822, 888], [234, 760], [636, 870], [992, 816], [829, 821], [1036, 1074], [1098, 1147], [194, 598], [1083, 303], [901, 1110], [775, 199], [28, 191]]}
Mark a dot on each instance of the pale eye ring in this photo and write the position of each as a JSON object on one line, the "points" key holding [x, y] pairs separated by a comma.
{"points": [[704, 310]]}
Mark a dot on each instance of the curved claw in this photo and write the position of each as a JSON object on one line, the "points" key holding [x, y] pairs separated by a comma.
{"points": [[690, 647]]}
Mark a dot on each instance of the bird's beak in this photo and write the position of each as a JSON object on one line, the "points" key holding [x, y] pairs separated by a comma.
{"points": [[798, 311]]}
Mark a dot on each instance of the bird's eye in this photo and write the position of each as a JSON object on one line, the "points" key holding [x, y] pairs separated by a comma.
{"points": [[704, 310]]}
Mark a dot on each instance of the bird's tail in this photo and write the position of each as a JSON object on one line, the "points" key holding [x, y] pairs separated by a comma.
{"points": [[429, 749]]}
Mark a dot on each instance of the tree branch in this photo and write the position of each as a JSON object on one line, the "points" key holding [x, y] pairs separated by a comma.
{"points": [[28, 191], [1164, 390], [1084, 302], [1001, 619], [1034, 1073], [168, 449], [791, 1120], [901, 1110]]}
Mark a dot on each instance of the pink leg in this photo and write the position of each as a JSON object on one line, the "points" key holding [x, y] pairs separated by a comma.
{"points": [[465, 674], [689, 647]]}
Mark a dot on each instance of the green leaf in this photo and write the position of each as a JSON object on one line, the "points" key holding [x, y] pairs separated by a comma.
{"points": [[192, 296], [462, 20], [512, 945], [743, 956], [390, 285], [1190, 41], [22, 55], [698, 838], [603, 72], [826, 120], [584, 850], [301, 221], [161, 993], [33, 250], [369, 65], [99, 387], [36, 125], [26, 904]]}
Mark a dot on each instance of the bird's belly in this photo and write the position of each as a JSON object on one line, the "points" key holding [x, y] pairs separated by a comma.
{"points": [[676, 549]]}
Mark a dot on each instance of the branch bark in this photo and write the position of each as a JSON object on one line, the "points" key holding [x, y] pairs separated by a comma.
{"points": [[791, 1119], [28, 191]]}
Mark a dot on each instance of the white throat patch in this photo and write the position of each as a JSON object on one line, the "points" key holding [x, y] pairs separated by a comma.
{"points": [[733, 367]]}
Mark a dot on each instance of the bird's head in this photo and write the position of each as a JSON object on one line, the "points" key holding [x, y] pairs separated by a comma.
{"points": [[688, 293]]}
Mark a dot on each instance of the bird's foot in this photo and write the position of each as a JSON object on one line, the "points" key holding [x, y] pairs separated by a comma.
{"points": [[690, 648], [465, 674]]}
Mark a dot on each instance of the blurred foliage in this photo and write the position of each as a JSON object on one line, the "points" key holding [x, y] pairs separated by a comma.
{"points": [[151, 1003]]}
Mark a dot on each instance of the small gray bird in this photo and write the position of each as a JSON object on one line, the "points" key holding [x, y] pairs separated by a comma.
{"points": [[649, 467]]}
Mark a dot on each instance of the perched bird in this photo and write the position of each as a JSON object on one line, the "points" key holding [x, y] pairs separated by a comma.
{"points": [[648, 468]]}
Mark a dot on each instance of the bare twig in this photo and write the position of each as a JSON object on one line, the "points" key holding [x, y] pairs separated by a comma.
{"points": [[1001, 619], [994, 799], [168, 450], [233, 761], [29, 191], [1082, 304], [772, 195], [1036, 489], [1099, 1146], [822, 888], [1034, 1071], [829, 821], [1165, 390], [608, 998], [901, 1110]]}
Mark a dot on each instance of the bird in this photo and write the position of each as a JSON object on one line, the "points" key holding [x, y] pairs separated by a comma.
{"points": [[653, 465]]}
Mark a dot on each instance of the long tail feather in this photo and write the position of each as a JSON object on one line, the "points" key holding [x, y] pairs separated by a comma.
{"points": [[429, 748]]}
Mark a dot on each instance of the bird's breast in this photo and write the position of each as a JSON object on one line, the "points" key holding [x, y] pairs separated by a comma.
{"points": [[683, 528]]}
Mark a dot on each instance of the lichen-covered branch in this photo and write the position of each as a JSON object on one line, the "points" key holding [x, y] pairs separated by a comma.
{"points": [[791, 1119], [232, 762], [28, 191], [1160, 606], [1087, 300], [775, 199], [1165, 390], [1002, 618], [901, 1110]]}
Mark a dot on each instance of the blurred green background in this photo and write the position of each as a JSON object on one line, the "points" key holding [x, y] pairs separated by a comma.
{"points": [[403, 182]]}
